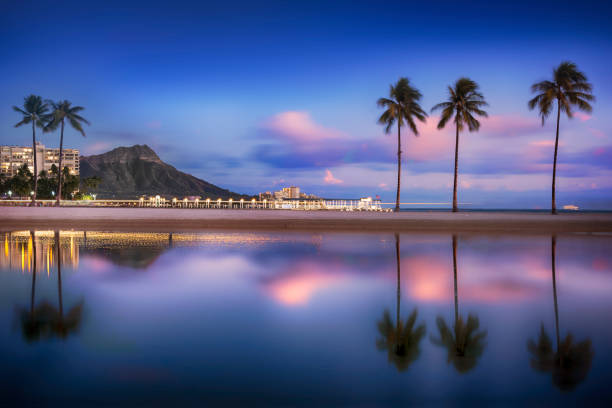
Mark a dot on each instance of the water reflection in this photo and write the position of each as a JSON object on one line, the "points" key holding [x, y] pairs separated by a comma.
{"points": [[45, 321], [400, 340], [571, 362], [464, 343], [265, 319]]}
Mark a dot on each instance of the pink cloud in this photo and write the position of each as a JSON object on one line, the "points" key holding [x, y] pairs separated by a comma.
{"points": [[597, 133], [510, 125], [582, 116], [300, 127], [330, 179]]}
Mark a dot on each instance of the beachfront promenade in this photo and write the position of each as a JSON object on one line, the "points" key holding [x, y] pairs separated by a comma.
{"points": [[176, 220]]}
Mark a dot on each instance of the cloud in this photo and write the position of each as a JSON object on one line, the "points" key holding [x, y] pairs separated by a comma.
{"points": [[509, 125], [300, 127], [582, 116], [330, 179], [96, 148]]}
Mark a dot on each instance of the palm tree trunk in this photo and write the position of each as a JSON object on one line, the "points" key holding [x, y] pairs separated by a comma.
{"points": [[59, 272], [35, 162], [59, 174], [399, 166], [456, 164], [554, 206], [33, 273], [554, 282], [397, 263], [455, 278]]}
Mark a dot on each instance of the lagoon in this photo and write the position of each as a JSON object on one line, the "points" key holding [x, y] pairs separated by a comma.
{"points": [[304, 318]]}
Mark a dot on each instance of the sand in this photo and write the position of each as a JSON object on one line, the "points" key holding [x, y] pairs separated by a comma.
{"points": [[164, 220]]}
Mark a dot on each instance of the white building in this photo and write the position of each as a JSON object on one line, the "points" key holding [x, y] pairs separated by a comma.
{"points": [[13, 157]]}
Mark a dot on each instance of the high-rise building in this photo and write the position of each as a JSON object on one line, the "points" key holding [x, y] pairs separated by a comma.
{"points": [[13, 157]]}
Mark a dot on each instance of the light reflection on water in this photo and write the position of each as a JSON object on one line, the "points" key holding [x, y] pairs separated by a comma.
{"points": [[304, 319]]}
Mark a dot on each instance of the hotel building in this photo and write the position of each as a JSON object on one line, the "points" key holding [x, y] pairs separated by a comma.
{"points": [[13, 157]]}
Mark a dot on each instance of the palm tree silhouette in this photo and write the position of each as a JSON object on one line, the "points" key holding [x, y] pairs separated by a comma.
{"points": [[64, 325], [45, 320], [569, 88], [35, 112], [402, 105], [401, 341], [62, 111], [571, 362], [464, 343], [464, 100]]}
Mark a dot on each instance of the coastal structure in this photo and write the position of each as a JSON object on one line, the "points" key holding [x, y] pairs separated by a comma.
{"points": [[292, 193], [13, 157]]}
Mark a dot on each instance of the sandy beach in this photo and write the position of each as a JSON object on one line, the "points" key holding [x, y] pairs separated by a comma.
{"points": [[152, 219]]}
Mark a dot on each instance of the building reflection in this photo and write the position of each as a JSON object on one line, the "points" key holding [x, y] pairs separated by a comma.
{"points": [[464, 343], [570, 363], [401, 340], [22, 248]]}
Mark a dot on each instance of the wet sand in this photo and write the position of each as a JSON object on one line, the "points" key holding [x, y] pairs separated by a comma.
{"points": [[168, 220]]}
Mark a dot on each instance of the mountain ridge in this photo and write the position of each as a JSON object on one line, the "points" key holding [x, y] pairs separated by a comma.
{"points": [[130, 172]]}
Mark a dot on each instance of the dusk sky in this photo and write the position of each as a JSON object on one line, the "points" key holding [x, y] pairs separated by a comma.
{"points": [[253, 96]]}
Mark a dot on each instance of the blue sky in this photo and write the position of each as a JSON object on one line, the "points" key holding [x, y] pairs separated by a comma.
{"points": [[255, 96]]}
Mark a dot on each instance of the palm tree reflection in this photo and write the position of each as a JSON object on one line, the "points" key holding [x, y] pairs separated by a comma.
{"points": [[401, 341], [45, 321], [571, 362], [464, 343]]}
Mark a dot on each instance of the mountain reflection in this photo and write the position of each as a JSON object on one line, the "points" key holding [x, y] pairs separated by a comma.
{"points": [[402, 340], [464, 343], [45, 320], [571, 362]]}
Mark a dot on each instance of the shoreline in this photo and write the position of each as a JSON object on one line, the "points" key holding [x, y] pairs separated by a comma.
{"points": [[183, 220]]}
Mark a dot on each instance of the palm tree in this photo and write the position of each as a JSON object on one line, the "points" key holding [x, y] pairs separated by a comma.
{"points": [[401, 341], [402, 107], [64, 111], [569, 88], [464, 344], [464, 100], [35, 112], [571, 362]]}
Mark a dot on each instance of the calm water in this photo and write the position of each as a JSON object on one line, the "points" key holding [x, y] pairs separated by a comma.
{"points": [[305, 319]]}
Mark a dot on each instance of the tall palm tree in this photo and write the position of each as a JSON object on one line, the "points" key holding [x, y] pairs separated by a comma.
{"points": [[34, 111], [570, 89], [464, 101], [401, 341], [571, 362], [402, 107], [464, 343], [64, 111]]}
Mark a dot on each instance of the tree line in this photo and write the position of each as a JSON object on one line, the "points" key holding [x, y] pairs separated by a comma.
{"points": [[569, 89], [22, 184], [49, 116]]}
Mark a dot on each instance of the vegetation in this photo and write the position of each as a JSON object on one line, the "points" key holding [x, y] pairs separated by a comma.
{"points": [[402, 107], [22, 184], [63, 112], [34, 112], [464, 101], [570, 89]]}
